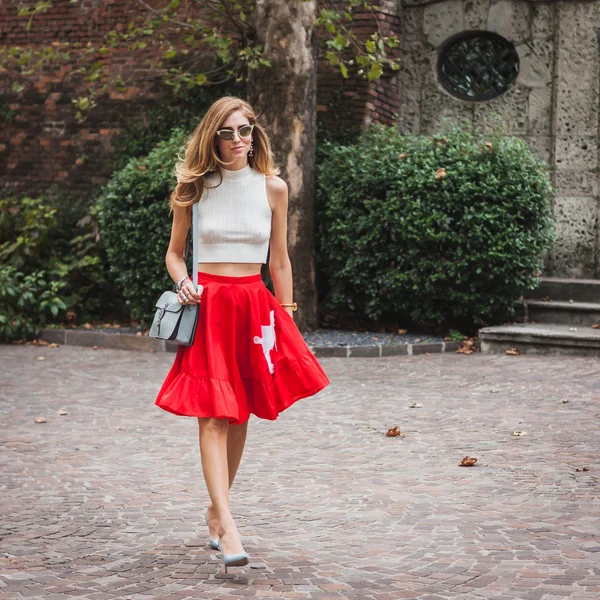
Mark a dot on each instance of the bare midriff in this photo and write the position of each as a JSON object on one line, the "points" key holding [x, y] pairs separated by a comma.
{"points": [[230, 269]]}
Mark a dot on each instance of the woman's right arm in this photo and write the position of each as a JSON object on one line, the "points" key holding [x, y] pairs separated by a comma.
{"points": [[174, 259], [179, 231]]}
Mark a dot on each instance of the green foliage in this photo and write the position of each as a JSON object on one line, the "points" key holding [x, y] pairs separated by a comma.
{"points": [[135, 224], [28, 302], [156, 123], [226, 32], [449, 230], [59, 237]]}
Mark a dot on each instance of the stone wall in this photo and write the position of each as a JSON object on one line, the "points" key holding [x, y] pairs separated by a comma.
{"points": [[553, 104]]}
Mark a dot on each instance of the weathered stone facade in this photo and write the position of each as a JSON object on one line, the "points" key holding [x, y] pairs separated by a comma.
{"points": [[553, 104]]}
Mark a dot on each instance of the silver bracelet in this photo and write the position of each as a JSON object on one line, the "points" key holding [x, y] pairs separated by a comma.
{"points": [[180, 283]]}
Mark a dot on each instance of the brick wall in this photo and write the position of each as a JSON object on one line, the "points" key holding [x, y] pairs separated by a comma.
{"points": [[44, 146]]}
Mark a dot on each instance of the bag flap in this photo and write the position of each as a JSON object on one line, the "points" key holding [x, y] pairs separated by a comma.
{"points": [[169, 303]]}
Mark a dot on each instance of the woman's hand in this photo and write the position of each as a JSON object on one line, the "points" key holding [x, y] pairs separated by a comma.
{"points": [[187, 294]]}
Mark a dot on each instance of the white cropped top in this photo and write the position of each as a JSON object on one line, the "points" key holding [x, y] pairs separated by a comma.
{"points": [[234, 223]]}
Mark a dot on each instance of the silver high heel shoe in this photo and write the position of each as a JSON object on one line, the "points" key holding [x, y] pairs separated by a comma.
{"points": [[214, 544], [234, 560]]}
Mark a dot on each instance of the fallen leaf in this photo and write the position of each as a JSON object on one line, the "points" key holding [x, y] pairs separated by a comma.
{"points": [[518, 433], [88, 326], [467, 461], [62, 412], [94, 347], [41, 358], [41, 420], [465, 348], [512, 352], [441, 173], [139, 334], [582, 469], [393, 431], [565, 400], [402, 331], [403, 155], [415, 405], [573, 329], [596, 326], [53, 345], [494, 391], [547, 299]]}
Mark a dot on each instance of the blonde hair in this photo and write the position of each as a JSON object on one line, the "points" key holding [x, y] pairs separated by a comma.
{"points": [[201, 155]]}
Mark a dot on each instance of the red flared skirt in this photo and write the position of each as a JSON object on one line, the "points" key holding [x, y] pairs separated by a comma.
{"points": [[248, 356]]}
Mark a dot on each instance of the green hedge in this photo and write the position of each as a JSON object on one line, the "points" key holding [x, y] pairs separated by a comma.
{"points": [[51, 261], [448, 231], [136, 225]]}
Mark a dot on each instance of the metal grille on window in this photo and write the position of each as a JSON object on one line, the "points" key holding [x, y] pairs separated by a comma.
{"points": [[477, 65]]}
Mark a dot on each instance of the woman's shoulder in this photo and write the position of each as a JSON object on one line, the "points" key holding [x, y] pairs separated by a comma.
{"points": [[275, 184]]}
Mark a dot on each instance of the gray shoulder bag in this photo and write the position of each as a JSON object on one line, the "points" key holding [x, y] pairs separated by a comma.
{"points": [[174, 321]]}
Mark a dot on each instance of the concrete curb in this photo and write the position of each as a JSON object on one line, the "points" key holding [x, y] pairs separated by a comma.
{"points": [[128, 341]]}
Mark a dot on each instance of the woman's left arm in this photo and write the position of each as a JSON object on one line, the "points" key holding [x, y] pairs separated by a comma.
{"points": [[280, 266]]}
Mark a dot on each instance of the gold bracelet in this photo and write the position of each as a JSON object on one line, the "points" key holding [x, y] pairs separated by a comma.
{"points": [[294, 305]]}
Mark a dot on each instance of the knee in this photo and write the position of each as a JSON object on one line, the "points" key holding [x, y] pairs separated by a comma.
{"points": [[213, 425]]}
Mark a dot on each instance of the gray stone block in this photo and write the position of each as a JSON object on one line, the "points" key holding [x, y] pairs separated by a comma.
{"points": [[510, 19], [53, 336], [364, 351], [394, 350], [329, 351], [442, 20], [425, 348]]}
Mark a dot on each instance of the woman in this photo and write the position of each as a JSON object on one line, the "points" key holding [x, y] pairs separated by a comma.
{"points": [[248, 356]]}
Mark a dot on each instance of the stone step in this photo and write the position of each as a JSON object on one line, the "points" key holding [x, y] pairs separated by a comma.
{"points": [[558, 289], [541, 338], [560, 312]]}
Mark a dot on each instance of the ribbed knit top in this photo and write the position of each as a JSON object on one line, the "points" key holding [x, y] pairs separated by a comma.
{"points": [[234, 222]]}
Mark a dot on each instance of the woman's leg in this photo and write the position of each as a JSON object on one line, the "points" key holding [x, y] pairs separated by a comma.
{"points": [[236, 439], [213, 434]]}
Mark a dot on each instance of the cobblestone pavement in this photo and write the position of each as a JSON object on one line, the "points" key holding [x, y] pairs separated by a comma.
{"points": [[106, 501]]}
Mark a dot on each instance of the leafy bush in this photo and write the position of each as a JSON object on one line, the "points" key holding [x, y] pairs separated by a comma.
{"points": [[28, 303], [448, 230], [59, 236], [155, 123], [136, 226]]}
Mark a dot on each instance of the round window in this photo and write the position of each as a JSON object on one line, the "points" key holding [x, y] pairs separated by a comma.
{"points": [[477, 65]]}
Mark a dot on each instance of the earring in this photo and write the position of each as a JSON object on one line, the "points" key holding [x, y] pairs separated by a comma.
{"points": [[251, 148]]}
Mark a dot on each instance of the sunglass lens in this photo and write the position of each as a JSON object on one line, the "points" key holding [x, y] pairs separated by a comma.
{"points": [[225, 134], [245, 130]]}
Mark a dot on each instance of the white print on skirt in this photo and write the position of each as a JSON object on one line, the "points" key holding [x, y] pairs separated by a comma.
{"points": [[268, 340]]}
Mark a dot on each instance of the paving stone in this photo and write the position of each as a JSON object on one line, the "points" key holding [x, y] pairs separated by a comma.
{"points": [[107, 501]]}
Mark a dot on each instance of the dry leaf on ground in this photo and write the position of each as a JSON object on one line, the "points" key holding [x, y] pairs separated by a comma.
{"points": [[467, 461], [512, 352], [518, 433], [41, 420], [596, 326], [582, 469], [62, 412], [415, 405], [393, 431], [466, 347]]}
